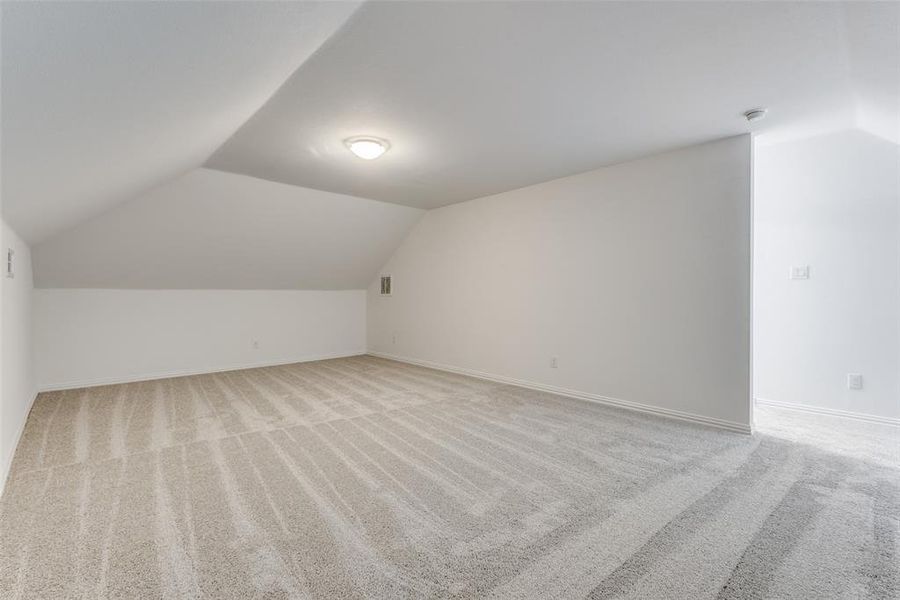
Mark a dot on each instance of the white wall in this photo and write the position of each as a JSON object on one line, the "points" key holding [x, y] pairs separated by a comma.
{"points": [[92, 336], [833, 203], [636, 276], [17, 389]]}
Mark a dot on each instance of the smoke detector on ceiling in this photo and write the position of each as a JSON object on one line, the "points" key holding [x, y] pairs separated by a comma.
{"points": [[756, 114]]}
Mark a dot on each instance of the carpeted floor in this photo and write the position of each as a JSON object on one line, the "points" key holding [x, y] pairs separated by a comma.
{"points": [[363, 477]]}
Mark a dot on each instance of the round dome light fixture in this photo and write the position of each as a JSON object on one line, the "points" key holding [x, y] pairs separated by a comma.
{"points": [[367, 147], [756, 114]]}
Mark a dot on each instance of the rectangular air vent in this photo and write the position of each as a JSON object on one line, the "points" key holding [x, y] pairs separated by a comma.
{"points": [[385, 285]]}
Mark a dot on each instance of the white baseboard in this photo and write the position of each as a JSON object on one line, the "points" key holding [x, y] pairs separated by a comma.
{"points": [[636, 406], [7, 463], [86, 383], [831, 412]]}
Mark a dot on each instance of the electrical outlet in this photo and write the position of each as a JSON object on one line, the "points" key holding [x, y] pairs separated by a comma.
{"points": [[256, 344], [854, 381], [553, 363], [394, 338]]}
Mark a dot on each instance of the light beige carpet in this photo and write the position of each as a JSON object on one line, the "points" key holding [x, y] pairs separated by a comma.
{"points": [[362, 477]]}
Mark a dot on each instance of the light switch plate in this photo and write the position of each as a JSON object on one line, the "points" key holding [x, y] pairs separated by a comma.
{"points": [[800, 272], [854, 381]]}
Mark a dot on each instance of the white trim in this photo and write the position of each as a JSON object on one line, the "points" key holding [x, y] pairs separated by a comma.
{"points": [[21, 430], [751, 309], [86, 383], [831, 412], [627, 404]]}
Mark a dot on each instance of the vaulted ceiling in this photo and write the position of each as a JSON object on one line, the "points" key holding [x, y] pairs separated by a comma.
{"points": [[483, 97], [104, 100], [109, 109], [213, 230]]}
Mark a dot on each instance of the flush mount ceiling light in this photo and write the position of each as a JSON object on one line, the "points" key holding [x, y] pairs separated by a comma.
{"points": [[756, 114], [367, 147]]}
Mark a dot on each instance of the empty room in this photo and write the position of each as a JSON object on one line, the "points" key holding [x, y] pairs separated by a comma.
{"points": [[450, 299]]}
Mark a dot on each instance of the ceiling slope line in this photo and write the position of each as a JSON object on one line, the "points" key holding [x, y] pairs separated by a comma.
{"points": [[114, 100]]}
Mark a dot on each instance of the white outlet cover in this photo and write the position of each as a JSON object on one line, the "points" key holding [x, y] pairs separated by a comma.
{"points": [[854, 381], [800, 272]]}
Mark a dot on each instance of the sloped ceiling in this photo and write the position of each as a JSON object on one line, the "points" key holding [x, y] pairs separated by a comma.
{"points": [[104, 100], [873, 42], [110, 108], [213, 230], [483, 97]]}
